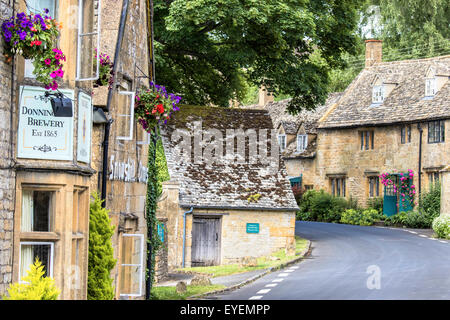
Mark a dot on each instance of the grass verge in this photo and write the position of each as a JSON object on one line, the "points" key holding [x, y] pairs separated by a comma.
{"points": [[273, 260], [170, 293]]}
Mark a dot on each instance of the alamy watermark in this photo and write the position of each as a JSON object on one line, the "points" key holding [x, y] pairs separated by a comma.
{"points": [[230, 146], [374, 280]]}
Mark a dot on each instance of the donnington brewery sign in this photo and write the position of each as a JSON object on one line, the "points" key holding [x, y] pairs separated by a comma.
{"points": [[41, 135]]}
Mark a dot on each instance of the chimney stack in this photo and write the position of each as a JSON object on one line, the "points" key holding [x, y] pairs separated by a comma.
{"points": [[264, 97], [374, 53]]}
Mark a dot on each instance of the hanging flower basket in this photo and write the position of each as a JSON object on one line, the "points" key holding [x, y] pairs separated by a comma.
{"points": [[106, 77], [155, 106], [33, 37]]}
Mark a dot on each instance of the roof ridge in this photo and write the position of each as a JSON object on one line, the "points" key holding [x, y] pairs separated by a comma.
{"points": [[407, 61]]}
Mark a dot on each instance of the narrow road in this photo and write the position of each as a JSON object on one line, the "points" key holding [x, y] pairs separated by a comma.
{"points": [[353, 262]]}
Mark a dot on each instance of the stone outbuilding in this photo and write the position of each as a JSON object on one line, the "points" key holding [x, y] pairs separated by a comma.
{"points": [[224, 206]]}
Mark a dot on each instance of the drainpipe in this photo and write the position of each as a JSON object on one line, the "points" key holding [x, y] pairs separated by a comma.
{"points": [[184, 235], [123, 19], [420, 156]]}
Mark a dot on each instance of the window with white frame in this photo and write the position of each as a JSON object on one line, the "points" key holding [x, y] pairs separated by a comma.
{"points": [[430, 87], [37, 216], [125, 116], [38, 7], [89, 21], [302, 142], [131, 265], [30, 251], [282, 141], [378, 94]]}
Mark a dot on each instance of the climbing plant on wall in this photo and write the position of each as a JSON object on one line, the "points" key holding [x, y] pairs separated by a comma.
{"points": [[401, 184]]}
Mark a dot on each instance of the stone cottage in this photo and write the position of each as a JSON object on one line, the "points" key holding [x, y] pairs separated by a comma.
{"points": [[393, 117], [229, 196]]}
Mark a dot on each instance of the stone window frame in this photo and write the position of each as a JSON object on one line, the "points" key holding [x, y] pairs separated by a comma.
{"points": [[436, 131], [405, 134], [433, 177], [374, 186], [367, 138], [282, 145], [338, 186]]}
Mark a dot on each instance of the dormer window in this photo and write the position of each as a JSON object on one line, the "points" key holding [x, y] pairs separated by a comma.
{"points": [[430, 87], [302, 142], [282, 141], [378, 94]]}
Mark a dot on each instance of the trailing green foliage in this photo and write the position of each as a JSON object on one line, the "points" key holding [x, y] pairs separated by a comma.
{"points": [[430, 202], [161, 166], [211, 51], [101, 254], [441, 225], [375, 203], [36, 286], [358, 217]]}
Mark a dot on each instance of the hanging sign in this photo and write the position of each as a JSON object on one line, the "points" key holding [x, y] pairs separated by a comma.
{"points": [[41, 135], [84, 127]]}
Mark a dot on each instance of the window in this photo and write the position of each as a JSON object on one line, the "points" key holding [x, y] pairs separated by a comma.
{"points": [[374, 187], [282, 141], [430, 87], [296, 182], [309, 187], [30, 251], [38, 6], [302, 142], [338, 187], [88, 40], [37, 216], [433, 178], [367, 138], [131, 267], [436, 131], [405, 133], [378, 94], [125, 116]]}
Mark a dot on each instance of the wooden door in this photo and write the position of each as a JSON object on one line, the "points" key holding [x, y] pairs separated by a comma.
{"points": [[205, 242]]}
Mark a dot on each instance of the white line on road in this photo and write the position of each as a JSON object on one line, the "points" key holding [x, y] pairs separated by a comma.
{"points": [[263, 291], [277, 280], [296, 267], [271, 285], [411, 231], [289, 270], [442, 241], [255, 298], [423, 236], [283, 274]]}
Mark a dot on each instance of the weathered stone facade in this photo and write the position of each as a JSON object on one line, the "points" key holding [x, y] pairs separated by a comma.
{"points": [[7, 175]]}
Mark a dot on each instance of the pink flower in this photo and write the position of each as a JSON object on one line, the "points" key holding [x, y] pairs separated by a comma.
{"points": [[48, 61], [53, 74], [60, 73], [57, 56]]}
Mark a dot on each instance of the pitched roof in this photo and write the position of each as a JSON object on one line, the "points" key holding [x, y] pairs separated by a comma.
{"points": [[226, 184], [405, 103]]}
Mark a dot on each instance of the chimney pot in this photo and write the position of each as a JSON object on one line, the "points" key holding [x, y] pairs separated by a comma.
{"points": [[374, 52]]}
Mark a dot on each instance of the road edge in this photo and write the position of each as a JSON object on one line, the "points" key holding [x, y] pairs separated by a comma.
{"points": [[306, 252]]}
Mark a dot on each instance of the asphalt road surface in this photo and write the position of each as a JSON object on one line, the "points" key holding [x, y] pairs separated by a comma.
{"points": [[354, 262]]}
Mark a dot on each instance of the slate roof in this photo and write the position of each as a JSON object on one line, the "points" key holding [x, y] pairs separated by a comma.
{"points": [[405, 103], [291, 123], [225, 185]]}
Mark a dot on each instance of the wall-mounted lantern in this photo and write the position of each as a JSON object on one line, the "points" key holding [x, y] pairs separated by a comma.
{"points": [[62, 107]]}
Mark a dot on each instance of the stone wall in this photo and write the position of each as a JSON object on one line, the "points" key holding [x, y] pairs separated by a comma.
{"points": [[7, 174], [339, 152]]}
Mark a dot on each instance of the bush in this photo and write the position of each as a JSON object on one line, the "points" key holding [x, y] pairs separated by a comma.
{"points": [[357, 217], [321, 206], [36, 287], [101, 258], [375, 203], [298, 192], [441, 225], [430, 202]]}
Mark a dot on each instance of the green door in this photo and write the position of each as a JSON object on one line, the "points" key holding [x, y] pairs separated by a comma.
{"points": [[389, 201]]}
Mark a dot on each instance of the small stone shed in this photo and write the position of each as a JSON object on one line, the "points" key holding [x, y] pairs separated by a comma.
{"points": [[221, 212]]}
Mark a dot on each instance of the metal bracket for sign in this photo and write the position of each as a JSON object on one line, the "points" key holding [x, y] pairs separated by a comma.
{"points": [[82, 35]]}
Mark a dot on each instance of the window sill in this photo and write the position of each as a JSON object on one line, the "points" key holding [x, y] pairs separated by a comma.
{"points": [[39, 236]]}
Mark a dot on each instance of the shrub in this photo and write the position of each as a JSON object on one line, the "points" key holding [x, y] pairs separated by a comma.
{"points": [[441, 225], [357, 217], [36, 287], [375, 203], [298, 192], [101, 260], [416, 219], [430, 202]]}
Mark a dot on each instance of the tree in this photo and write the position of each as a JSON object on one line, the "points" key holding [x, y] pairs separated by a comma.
{"points": [[101, 255], [208, 50], [35, 286]]}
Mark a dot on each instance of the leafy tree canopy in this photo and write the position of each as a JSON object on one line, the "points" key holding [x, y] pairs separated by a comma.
{"points": [[208, 50]]}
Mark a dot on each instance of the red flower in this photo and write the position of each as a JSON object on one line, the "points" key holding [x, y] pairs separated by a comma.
{"points": [[160, 108]]}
